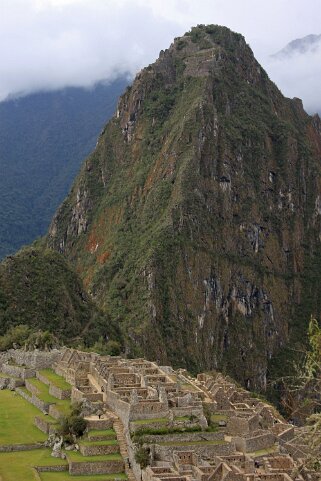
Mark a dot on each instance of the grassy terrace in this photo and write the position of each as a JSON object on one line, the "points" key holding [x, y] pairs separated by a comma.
{"points": [[218, 417], [77, 457], [55, 379], [190, 443], [106, 442], [16, 421], [47, 418], [186, 386], [264, 452], [18, 466], [43, 390], [6, 376], [159, 420], [66, 477], [110, 433]]}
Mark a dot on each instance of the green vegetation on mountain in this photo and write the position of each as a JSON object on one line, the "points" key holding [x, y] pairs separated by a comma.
{"points": [[195, 222], [194, 225], [39, 290], [43, 139]]}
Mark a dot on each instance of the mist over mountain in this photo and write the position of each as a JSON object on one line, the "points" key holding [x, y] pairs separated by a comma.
{"points": [[309, 43], [44, 137], [296, 69]]}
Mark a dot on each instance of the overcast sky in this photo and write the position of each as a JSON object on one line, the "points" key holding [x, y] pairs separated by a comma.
{"points": [[47, 44]]}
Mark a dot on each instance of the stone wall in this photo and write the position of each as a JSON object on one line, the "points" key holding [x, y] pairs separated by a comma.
{"points": [[148, 410], [59, 393], [8, 448], [284, 432], [102, 467], [34, 400], [181, 437], [188, 411], [35, 359], [255, 443], [98, 449], [44, 425], [243, 425], [99, 424], [120, 407], [55, 412], [18, 371], [52, 469], [93, 397], [4, 357], [207, 450], [76, 395]]}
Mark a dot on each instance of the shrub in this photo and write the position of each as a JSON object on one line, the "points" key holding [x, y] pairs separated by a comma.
{"points": [[142, 457], [74, 424]]}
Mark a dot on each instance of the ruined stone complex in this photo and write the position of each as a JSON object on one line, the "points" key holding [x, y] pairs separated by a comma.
{"points": [[204, 429]]}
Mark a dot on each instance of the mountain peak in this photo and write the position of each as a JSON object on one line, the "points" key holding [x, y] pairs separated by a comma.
{"points": [[299, 46]]}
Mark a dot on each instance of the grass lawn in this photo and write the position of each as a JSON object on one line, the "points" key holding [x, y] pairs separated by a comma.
{"points": [[148, 421], [264, 452], [43, 391], [218, 417], [186, 386], [108, 433], [18, 466], [16, 420], [190, 443], [78, 457], [55, 379], [66, 477]]}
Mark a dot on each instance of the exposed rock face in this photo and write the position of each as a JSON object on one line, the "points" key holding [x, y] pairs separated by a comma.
{"points": [[196, 221]]}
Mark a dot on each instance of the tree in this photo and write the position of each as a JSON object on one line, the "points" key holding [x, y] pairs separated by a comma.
{"points": [[301, 393]]}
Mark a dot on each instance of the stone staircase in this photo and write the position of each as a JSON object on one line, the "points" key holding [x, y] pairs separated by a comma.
{"points": [[119, 429]]}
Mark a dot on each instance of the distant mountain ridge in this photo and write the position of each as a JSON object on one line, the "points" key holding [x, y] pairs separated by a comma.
{"points": [[302, 45], [44, 137]]}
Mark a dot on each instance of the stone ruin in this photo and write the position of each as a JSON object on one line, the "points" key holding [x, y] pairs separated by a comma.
{"points": [[175, 413]]}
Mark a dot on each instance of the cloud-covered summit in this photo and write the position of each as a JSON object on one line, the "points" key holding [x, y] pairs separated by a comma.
{"points": [[49, 44]]}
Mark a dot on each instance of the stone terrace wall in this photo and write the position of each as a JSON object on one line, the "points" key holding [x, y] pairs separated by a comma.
{"points": [[99, 424], [148, 410], [35, 359], [181, 437], [8, 448], [54, 469], [45, 426], [4, 357], [207, 450], [34, 400], [256, 443], [98, 449], [120, 407], [76, 395], [59, 393], [18, 371], [102, 467]]}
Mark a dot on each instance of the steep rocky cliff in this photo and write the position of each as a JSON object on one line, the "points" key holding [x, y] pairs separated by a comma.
{"points": [[196, 221]]}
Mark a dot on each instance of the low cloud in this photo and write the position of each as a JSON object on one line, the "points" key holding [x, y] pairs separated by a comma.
{"points": [[49, 44], [299, 75]]}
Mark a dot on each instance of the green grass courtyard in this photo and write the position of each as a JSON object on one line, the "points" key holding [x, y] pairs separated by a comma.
{"points": [[16, 420]]}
